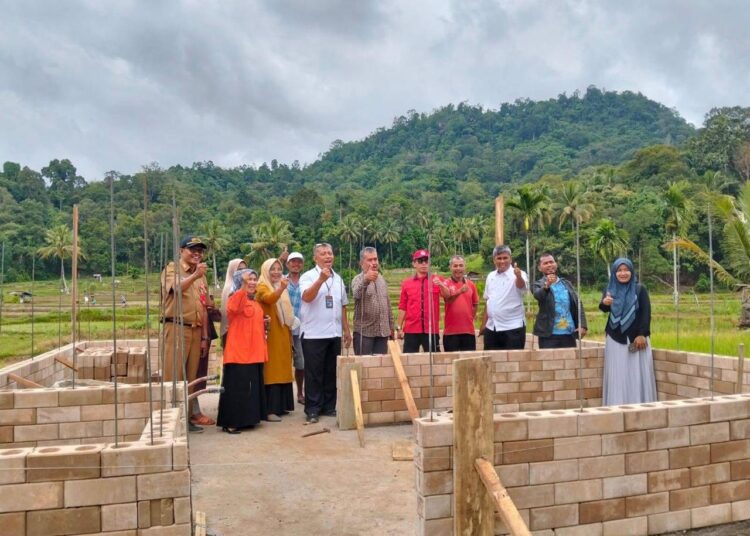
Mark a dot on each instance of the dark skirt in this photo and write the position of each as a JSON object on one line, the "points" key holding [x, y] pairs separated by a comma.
{"points": [[279, 398], [243, 402]]}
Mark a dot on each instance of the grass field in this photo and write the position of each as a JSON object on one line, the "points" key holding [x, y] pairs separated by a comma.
{"points": [[52, 323]]}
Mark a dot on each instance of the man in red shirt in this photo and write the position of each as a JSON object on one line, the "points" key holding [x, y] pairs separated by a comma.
{"points": [[461, 301], [419, 307]]}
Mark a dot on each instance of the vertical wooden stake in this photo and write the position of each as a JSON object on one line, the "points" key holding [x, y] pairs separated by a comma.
{"points": [[499, 220], [473, 437], [740, 368], [345, 413], [403, 380], [357, 407]]}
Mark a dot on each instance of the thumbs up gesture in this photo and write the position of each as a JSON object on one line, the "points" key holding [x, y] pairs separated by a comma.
{"points": [[608, 299]]}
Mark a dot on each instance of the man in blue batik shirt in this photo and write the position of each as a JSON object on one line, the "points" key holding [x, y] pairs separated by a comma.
{"points": [[557, 320]]}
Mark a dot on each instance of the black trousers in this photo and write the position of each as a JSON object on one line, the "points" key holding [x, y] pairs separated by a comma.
{"points": [[369, 345], [461, 342], [512, 339], [320, 374], [558, 341], [413, 341]]}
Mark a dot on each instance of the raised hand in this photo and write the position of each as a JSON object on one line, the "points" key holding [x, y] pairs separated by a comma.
{"points": [[551, 280], [201, 269], [325, 273], [516, 269], [608, 299], [371, 275], [283, 283]]}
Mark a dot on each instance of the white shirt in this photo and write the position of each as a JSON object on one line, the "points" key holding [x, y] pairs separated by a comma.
{"points": [[505, 308], [318, 321]]}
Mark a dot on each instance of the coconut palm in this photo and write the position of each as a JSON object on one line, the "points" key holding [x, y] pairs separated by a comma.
{"points": [[390, 234], [216, 238], [678, 211], [349, 230], [59, 241], [269, 238], [531, 205], [607, 240]]}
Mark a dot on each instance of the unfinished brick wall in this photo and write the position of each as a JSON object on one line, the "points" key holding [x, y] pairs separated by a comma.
{"points": [[688, 375], [48, 488], [524, 380]]}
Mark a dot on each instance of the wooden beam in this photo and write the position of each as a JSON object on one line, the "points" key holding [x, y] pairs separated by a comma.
{"points": [[403, 380], [473, 437], [499, 220], [65, 362], [20, 380], [740, 368], [200, 524], [357, 407], [345, 414], [504, 504]]}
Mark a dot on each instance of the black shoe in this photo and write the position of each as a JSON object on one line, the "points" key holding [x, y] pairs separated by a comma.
{"points": [[330, 413], [230, 430], [194, 428], [313, 418]]}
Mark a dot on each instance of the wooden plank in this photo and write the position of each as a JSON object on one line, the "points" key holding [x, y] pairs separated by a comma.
{"points": [[473, 437], [499, 220], [740, 368], [344, 402], [504, 504], [357, 407], [20, 380], [65, 362], [200, 524], [403, 380], [403, 451]]}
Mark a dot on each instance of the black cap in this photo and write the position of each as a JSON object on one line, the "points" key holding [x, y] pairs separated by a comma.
{"points": [[192, 241]]}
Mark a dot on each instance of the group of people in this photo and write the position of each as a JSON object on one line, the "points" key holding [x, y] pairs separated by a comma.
{"points": [[278, 328]]}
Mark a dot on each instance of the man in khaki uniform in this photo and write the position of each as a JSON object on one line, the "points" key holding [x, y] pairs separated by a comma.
{"points": [[194, 287]]}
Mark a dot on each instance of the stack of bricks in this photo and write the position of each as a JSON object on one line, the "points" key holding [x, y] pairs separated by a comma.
{"points": [[524, 380], [128, 364], [53, 417], [688, 375], [635, 469], [141, 487]]}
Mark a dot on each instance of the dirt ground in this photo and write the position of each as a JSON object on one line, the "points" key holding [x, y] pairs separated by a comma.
{"points": [[272, 481]]}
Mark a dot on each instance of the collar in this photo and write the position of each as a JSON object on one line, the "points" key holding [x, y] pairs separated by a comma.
{"points": [[186, 267], [417, 277]]}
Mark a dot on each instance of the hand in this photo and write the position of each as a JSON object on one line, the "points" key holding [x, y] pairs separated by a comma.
{"points": [[325, 273], [371, 275], [551, 280], [481, 330], [201, 269], [347, 339], [464, 288], [392, 336], [283, 283], [608, 299], [400, 334], [284, 254], [582, 332], [437, 281], [640, 342], [517, 270]]}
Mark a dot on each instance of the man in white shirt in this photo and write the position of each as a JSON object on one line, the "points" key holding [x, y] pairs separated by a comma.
{"points": [[323, 317], [504, 321]]}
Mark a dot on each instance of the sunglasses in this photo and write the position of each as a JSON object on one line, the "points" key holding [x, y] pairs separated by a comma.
{"points": [[422, 260]]}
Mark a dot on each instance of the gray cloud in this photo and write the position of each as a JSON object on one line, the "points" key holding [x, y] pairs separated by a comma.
{"points": [[116, 85]]}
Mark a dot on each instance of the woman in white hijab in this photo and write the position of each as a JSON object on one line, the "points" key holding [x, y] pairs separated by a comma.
{"points": [[234, 265]]}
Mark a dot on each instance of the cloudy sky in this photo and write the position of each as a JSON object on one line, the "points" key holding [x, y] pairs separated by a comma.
{"points": [[117, 84]]}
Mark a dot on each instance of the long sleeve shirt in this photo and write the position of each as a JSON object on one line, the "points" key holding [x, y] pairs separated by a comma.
{"points": [[372, 307]]}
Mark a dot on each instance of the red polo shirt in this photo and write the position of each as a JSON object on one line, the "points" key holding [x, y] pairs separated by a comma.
{"points": [[415, 300], [459, 314]]}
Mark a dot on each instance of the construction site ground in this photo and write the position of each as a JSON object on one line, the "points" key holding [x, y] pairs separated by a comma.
{"points": [[270, 480]]}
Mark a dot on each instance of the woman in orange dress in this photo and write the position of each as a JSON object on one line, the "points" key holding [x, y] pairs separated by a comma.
{"points": [[278, 373], [243, 402]]}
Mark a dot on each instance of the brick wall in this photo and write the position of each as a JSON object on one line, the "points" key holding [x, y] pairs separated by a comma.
{"points": [[637, 469]]}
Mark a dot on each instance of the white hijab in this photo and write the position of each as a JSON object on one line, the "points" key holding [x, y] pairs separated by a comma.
{"points": [[227, 291]]}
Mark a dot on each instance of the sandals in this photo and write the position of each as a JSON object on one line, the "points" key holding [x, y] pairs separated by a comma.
{"points": [[301, 399], [202, 420], [272, 417], [230, 430]]}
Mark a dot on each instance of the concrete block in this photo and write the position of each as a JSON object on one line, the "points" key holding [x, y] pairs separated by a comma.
{"points": [[641, 505], [669, 522], [98, 412], [624, 486], [701, 434], [553, 517], [594, 529], [35, 432], [623, 443], [647, 416], [6, 434], [668, 480], [623, 527], [600, 421], [174, 484], [436, 433], [64, 521], [18, 416], [740, 510], [668, 438], [727, 408], [513, 475], [180, 454], [6, 399], [64, 463], [100, 491], [119, 517], [738, 490], [144, 514], [84, 429], [13, 524], [80, 396], [578, 491], [710, 474], [13, 465], [550, 424], [182, 511], [533, 496], [435, 506], [689, 498], [690, 456], [26, 497], [646, 462], [435, 527], [433, 459], [577, 447], [124, 426], [35, 398], [434, 483], [710, 515], [739, 469], [172, 530], [534, 450], [730, 450], [597, 511], [686, 414], [601, 466], [551, 472], [510, 427]]}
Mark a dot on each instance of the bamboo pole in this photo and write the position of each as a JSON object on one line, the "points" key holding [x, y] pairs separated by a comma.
{"points": [[357, 407], [403, 379], [503, 503]]}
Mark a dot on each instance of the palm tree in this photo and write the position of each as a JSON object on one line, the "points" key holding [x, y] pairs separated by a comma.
{"points": [[348, 230], [390, 234], [608, 240], [216, 239], [59, 241], [270, 237], [678, 210], [532, 207]]}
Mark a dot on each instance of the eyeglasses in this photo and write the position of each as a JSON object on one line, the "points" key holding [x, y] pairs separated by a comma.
{"points": [[422, 260]]}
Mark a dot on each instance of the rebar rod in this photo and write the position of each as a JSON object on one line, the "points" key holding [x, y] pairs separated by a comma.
{"points": [[114, 306], [580, 316], [148, 317], [711, 281]]}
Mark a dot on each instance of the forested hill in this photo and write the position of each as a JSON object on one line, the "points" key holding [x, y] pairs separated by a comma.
{"points": [[519, 142]]}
